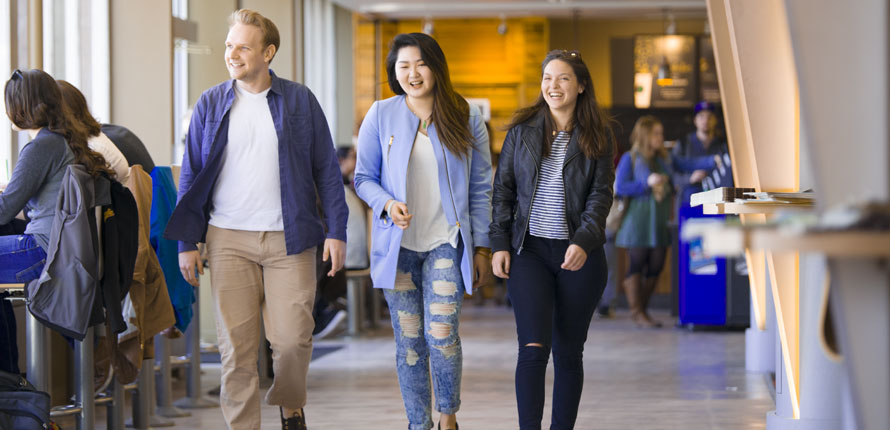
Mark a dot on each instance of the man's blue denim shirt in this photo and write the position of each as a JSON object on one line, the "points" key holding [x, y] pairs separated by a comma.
{"points": [[307, 162]]}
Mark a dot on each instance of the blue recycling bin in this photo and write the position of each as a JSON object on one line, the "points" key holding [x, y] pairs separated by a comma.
{"points": [[701, 279]]}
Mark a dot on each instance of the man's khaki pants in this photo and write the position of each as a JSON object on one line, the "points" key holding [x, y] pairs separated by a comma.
{"points": [[250, 271]]}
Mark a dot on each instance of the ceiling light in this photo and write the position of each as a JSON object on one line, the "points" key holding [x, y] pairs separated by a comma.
{"points": [[671, 25]]}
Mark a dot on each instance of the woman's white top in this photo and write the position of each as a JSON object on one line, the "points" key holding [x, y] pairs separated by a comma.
{"points": [[428, 228], [113, 156]]}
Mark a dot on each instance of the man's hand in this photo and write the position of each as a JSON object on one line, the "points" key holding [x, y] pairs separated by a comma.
{"points": [[697, 176], [398, 211], [188, 262], [334, 249], [483, 271], [500, 264], [575, 258]]}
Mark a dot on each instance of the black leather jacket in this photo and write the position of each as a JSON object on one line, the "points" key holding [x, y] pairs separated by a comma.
{"points": [[588, 189]]}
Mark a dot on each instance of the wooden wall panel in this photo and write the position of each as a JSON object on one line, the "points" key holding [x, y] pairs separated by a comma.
{"points": [[756, 275], [768, 82], [759, 89], [738, 136], [365, 77], [502, 68], [842, 50], [784, 270]]}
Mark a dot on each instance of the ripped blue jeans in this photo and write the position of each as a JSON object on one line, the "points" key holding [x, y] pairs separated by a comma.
{"points": [[424, 307], [21, 259]]}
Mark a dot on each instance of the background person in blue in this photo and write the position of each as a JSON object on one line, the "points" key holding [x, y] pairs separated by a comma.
{"points": [[701, 142], [258, 150], [644, 178], [424, 168]]}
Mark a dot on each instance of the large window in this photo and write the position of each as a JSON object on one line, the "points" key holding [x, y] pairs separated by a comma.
{"points": [[5, 70], [76, 48], [180, 84]]}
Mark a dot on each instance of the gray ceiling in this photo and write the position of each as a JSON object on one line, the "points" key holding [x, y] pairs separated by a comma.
{"points": [[494, 8]]}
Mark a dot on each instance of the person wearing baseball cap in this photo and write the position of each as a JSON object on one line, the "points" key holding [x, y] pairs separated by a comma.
{"points": [[704, 141]]}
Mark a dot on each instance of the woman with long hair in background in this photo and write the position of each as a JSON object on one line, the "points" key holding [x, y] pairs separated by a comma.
{"points": [[644, 178], [34, 105], [76, 104]]}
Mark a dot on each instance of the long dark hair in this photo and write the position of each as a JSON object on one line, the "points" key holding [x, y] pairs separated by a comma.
{"points": [[76, 104], [590, 122], [451, 113], [33, 101]]}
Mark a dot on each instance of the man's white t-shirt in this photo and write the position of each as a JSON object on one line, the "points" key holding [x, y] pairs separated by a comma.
{"points": [[247, 195]]}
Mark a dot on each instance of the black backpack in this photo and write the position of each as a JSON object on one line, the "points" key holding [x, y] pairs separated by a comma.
{"points": [[22, 407]]}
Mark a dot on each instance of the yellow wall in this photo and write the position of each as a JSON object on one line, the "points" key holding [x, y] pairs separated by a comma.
{"points": [[593, 41], [366, 81], [482, 63]]}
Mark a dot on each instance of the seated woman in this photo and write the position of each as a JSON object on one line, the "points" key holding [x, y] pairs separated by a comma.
{"points": [[76, 104], [34, 105]]}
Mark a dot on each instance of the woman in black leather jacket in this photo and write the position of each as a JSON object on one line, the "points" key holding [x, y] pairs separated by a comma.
{"points": [[552, 192]]}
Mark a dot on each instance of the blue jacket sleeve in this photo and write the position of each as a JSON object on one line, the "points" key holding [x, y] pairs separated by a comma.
{"points": [[680, 178], [326, 172], [630, 182], [192, 162], [691, 164], [480, 182], [369, 164]]}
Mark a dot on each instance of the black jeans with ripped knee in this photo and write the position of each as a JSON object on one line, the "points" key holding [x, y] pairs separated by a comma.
{"points": [[553, 308]]}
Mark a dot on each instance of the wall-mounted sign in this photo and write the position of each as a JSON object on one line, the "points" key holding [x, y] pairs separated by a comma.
{"points": [[664, 71]]}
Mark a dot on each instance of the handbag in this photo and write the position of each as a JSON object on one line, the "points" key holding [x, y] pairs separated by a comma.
{"points": [[619, 206], [616, 214], [22, 407]]}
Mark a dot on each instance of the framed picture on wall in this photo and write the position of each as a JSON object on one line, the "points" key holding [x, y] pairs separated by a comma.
{"points": [[665, 71]]}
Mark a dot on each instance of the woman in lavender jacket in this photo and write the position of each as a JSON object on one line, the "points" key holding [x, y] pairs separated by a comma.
{"points": [[424, 168]]}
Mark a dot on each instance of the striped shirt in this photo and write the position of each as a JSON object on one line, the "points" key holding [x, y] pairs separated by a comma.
{"points": [[548, 214]]}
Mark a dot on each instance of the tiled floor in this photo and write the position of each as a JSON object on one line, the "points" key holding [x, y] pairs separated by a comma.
{"points": [[635, 379]]}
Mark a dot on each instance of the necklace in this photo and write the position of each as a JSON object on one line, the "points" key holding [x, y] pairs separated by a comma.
{"points": [[423, 123]]}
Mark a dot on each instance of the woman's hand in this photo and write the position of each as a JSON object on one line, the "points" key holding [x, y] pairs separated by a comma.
{"points": [[500, 264], [482, 265], [575, 258], [655, 179], [398, 211]]}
